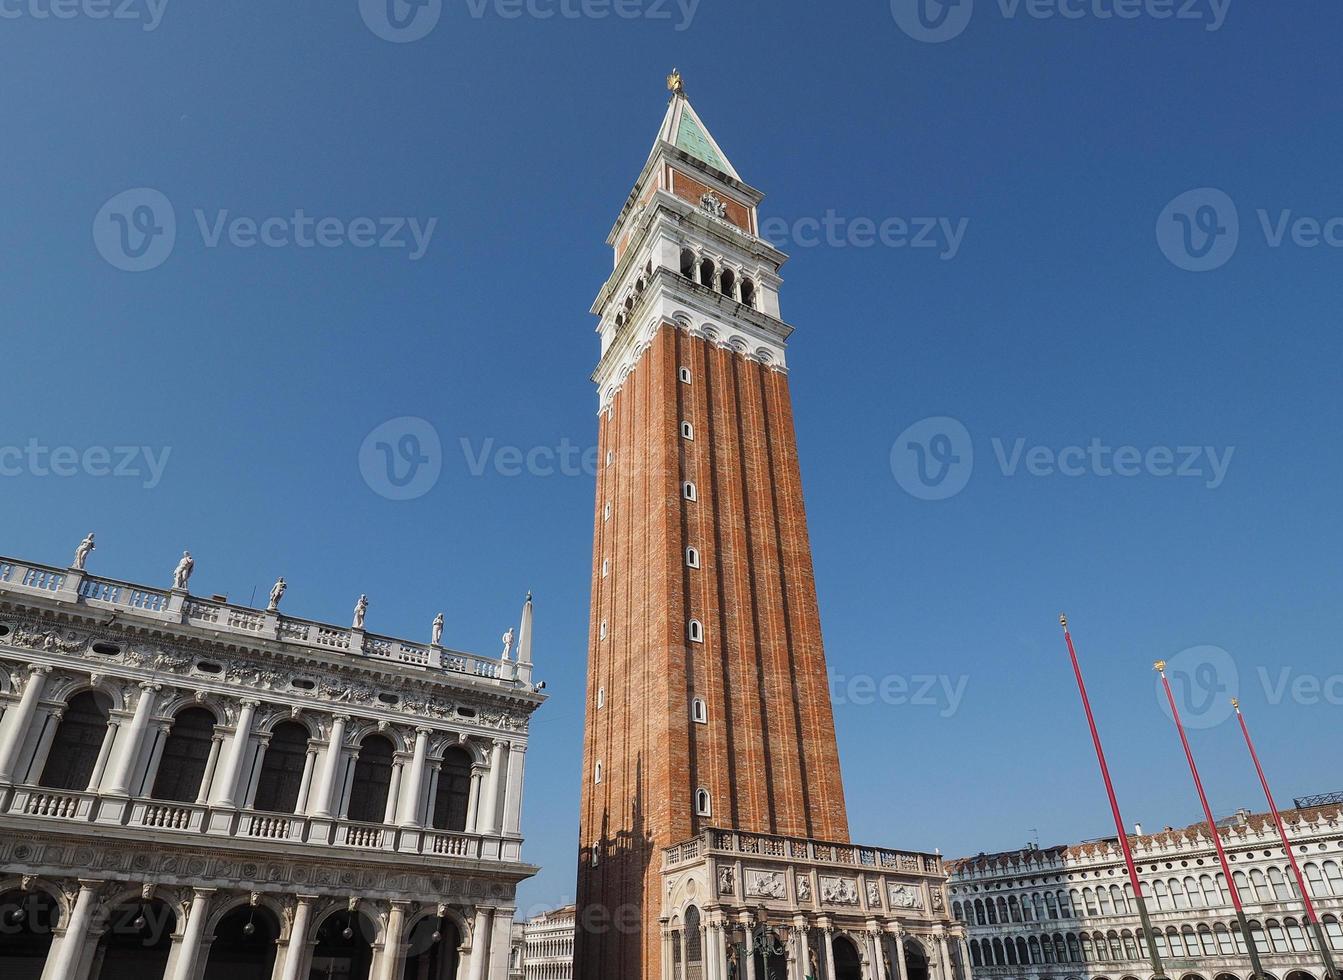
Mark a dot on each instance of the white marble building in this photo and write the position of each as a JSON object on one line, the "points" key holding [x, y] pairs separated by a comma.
{"points": [[197, 790], [548, 945], [1068, 912]]}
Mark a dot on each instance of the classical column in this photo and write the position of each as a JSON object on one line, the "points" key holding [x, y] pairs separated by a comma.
{"points": [[480, 944], [18, 720], [189, 948], [900, 949], [501, 945], [517, 757], [389, 963], [830, 952], [413, 790], [393, 805], [254, 774], [297, 950], [237, 752], [945, 951], [964, 947], [748, 925], [488, 818], [305, 785], [61, 963], [803, 947], [104, 754], [124, 767], [155, 757], [427, 810], [668, 956], [211, 764], [332, 778], [473, 805], [878, 950]]}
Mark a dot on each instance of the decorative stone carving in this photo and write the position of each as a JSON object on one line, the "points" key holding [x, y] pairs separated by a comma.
{"points": [[276, 594], [766, 884], [182, 573], [904, 896], [804, 888], [711, 204], [508, 643], [938, 902], [437, 639], [82, 553], [839, 891], [360, 611], [873, 895], [727, 881]]}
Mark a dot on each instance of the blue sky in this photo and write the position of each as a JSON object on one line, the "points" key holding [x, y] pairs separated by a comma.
{"points": [[1054, 142]]}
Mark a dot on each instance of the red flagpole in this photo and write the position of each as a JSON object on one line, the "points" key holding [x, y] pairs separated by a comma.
{"points": [[1212, 827], [1330, 972], [1158, 971]]}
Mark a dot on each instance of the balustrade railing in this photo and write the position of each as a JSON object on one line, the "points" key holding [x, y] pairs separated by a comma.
{"points": [[196, 820], [802, 849], [260, 624]]}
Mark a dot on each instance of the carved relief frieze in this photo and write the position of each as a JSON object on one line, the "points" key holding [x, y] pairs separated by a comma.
{"points": [[839, 891], [261, 674], [904, 896], [766, 884]]}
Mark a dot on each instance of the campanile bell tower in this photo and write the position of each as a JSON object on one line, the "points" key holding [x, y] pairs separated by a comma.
{"points": [[707, 704]]}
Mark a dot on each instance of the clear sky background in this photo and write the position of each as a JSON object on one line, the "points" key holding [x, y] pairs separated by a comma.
{"points": [[1058, 321]]}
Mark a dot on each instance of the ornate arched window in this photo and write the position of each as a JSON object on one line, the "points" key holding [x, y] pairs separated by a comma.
{"points": [[372, 780], [78, 741], [694, 943], [185, 755], [282, 770], [452, 799]]}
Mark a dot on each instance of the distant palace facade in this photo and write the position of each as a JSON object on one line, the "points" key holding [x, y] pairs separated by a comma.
{"points": [[1067, 913], [198, 790]]}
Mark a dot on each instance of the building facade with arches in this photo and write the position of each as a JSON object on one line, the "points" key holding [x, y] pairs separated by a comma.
{"points": [[1067, 913], [197, 790]]}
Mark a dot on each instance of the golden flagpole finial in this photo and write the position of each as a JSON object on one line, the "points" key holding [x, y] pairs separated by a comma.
{"points": [[1063, 620], [675, 82], [1160, 666], [1235, 703]]}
